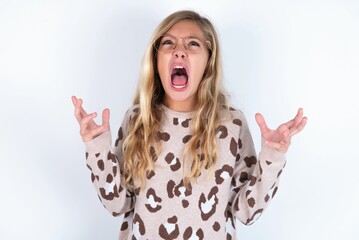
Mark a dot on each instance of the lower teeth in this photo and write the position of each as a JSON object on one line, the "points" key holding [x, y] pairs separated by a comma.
{"points": [[179, 86]]}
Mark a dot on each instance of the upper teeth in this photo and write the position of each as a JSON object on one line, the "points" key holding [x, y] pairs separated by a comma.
{"points": [[178, 67]]}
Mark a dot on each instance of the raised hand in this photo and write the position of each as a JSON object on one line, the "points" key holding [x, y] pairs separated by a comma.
{"points": [[88, 128], [280, 138]]}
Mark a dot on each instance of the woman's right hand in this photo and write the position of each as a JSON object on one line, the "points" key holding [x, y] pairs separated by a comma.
{"points": [[88, 128]]}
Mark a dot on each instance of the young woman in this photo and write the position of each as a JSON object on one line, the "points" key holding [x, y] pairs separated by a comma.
{"points": [[183, 165]]}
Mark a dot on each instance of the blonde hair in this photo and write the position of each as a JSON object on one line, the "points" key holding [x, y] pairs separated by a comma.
{"points": [[141, 145]]}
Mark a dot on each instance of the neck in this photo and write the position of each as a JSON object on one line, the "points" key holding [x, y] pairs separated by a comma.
{"points": [[182, 106]]}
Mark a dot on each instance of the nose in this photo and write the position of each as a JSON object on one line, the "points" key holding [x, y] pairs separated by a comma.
{"points": [[180, 54], [179, 51]]}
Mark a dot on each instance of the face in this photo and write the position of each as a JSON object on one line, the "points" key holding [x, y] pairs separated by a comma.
{"points": [[181, 62]]}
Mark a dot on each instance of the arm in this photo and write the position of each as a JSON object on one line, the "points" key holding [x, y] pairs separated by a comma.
{"points": [[103, 160], [256, 181]]}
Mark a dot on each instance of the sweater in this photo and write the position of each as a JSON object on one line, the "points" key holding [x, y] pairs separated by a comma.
{"points": [[240, 186]]}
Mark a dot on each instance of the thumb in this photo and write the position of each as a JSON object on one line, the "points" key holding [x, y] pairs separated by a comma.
{"points": [[261, 122]]}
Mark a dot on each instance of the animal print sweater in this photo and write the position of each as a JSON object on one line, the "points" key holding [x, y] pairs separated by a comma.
{"points": [[241, 185]]}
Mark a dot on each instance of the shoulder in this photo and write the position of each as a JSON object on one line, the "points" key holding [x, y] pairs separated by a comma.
{"points": [[232, 115], [132, 111], [234, 120], [130, 114]]}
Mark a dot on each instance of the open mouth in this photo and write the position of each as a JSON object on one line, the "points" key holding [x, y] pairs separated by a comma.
{"points": [[179, 77]]}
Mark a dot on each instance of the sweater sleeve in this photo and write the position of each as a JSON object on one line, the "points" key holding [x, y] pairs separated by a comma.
{"points": [[255, 179], [105, 163]]}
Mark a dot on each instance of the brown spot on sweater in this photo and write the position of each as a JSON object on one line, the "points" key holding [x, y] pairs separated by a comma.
{"points": [[119, 136], [223, 131], [101, 165], [233, 147], [237, 122], [169, 233], [250, 161]]}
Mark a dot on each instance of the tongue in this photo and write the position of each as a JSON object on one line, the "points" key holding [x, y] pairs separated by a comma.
{"points": [[179, 80]]}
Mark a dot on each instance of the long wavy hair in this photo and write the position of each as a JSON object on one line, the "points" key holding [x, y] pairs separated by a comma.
{"points": [[142, 145]]}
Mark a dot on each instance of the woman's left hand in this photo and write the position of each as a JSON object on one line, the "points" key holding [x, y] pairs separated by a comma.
{"points": [[281, 137]]}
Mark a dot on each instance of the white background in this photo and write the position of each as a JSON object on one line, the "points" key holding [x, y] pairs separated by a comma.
{"points": [[278, 56]]}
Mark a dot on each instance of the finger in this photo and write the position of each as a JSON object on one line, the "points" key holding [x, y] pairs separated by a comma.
{"points": [[261, 123], [74, 100], [79, 107], [80, 113], [293, 122], [300, 126], [106, 118], [84, 124], [298, 117]]}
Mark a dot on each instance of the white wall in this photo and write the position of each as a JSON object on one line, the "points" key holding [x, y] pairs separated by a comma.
{"points": [[278, 56]]}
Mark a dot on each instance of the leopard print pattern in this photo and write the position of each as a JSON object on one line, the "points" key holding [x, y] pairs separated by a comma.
{"points": [[208, 207]]}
